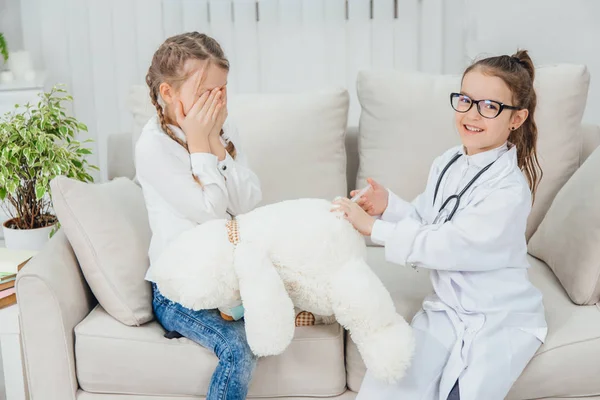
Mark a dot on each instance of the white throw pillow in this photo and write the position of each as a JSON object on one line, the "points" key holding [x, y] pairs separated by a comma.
{"points": [[407, 121], [107, 226], [568, 239]]}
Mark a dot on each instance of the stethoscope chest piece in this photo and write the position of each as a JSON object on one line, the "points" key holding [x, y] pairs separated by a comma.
{"points": [[445, 210]]}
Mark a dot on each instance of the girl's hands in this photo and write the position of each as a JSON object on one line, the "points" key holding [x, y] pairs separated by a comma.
{"points": [[375, 200], [216, 147], [199, 122], [222, 116], [358, 217]]}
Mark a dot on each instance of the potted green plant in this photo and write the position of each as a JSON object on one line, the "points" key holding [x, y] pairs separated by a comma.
{"points": [[5, 76], [38, 143]]}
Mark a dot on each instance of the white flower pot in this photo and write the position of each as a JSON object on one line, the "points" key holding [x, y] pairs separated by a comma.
{"points": [[6, 77], [21, 64], [25, 239]]}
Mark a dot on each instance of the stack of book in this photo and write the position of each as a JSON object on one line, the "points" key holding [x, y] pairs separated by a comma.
{"points": [[11, 262]]}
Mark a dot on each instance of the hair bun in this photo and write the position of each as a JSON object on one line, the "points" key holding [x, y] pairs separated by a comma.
{"points": [[522, 57]]}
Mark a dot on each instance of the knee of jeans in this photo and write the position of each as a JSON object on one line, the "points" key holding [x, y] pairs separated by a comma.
{"points": [[239, 352]]}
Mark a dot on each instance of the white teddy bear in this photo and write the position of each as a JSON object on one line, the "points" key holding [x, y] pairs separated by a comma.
{"points": [[295, 252]]}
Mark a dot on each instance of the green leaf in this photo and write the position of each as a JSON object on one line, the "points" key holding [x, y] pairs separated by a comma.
{"points": [[84, 151], [27, 153], [54, 230], [40, 191], [11, 186], [2, 193], [56, 169]]}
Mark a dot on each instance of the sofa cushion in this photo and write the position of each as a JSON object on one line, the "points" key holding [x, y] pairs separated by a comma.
{"points": [[293, 142], [568, 239], [107, 226], [82, 395], [114, 358], [406, 121], [566, 363]]}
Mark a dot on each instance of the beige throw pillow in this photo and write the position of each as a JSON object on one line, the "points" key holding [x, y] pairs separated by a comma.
{"points": [[107, 226], [406, 122], [294, 142], [568, 239]]}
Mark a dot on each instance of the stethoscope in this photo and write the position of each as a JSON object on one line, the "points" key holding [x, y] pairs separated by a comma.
{"points": [[454, 197]]}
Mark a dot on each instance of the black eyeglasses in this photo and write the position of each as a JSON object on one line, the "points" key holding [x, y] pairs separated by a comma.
{"points": [[491, 109]]}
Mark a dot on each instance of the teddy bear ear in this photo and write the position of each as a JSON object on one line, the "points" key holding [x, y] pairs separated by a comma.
{"points": [[305, 318]]}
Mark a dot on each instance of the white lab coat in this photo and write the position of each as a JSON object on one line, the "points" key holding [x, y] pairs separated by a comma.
{"points": [[485, 320]]}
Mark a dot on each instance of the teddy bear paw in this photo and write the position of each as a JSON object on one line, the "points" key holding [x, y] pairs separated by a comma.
{"points": [[388, 352]]}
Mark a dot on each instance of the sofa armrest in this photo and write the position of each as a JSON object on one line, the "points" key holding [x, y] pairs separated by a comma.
{"points": [[53, 297], [120, 156]]}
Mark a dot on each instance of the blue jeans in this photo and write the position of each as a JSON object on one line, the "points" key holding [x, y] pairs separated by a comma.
{"points": [[227, 339], [454, 393]]}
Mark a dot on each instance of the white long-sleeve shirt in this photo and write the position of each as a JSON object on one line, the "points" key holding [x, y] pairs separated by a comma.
{"points": [[175, 201], [478, 260]]}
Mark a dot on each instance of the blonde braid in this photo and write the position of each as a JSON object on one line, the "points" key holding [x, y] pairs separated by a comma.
{"points": [[163, 122], [230, 148]]}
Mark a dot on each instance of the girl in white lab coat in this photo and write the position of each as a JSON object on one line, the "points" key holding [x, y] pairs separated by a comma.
{"points": [[485, 321]]}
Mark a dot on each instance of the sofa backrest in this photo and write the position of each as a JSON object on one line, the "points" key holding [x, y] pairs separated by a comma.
{"points": [[296, 142], [120, 161]]}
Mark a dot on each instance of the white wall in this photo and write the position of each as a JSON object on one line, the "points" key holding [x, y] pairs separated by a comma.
{"points": [[10, 22], [100, 48], [554, 31]]}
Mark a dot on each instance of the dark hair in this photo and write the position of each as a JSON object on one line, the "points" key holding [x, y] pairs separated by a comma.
{"points": [[518, 72], [167, 66]]}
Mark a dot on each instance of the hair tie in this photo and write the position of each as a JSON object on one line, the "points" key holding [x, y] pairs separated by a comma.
{"points": [[517, 60]]}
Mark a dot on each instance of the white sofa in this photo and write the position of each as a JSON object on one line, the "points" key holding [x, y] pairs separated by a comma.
{"points": [[300, 147]]}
